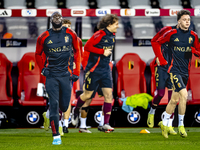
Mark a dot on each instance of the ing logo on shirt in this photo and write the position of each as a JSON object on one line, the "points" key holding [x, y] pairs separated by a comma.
{"points": [[66, 39]]}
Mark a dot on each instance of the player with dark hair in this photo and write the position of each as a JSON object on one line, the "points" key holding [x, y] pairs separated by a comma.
{"points": [[67, 23], [57, 44], [162, 79], [182, 43], [100, 46]]}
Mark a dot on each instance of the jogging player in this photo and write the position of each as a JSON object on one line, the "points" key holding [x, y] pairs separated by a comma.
{"points": [[162, 79], [57, 44], [182, 42], [100, 46]]}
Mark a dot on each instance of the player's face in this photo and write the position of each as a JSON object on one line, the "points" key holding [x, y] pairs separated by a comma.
{"points": [[67, 25], [57, 18], [113, 27], [184, 22]]}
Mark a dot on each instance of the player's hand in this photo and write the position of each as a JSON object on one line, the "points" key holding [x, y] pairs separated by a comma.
{"points": [[157, 61], [163, 62], [45, 72], [195, 52], [74, 77], [107, 52], [74, 65]]}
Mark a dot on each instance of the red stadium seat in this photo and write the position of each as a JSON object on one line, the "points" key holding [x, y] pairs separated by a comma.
{"points": [[5, 81], [131, 78], [29, 77], [194, 81], [164, 100], [96, 101]]}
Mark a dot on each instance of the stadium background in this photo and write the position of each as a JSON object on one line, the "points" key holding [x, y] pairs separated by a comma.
{"points": [[139, 22]]}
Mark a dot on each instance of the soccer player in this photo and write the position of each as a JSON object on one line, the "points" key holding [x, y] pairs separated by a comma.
{"points": [[67, 23], [162, 80], [100, 46], [182, 42], [57, 44]]}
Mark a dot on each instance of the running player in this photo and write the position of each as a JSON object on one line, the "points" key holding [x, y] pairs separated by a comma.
{"points": [[180, 42], [100, 46], [57, 44], [162, 80]]}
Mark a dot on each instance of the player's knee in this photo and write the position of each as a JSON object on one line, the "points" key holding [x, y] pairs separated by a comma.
{"points": [[161, 94], [64, 108], [86, 109], [108, 96], [174, 101]]}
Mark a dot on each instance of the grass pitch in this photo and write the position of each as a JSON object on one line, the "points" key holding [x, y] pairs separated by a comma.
{"points": [[120, 139]]}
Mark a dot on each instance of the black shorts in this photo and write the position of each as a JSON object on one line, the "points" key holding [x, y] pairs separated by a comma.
{"points": [[162, 78], [94, 80], [179, 81]]}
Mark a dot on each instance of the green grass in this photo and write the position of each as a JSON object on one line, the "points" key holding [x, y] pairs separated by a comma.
{"points": [[120, 139]]}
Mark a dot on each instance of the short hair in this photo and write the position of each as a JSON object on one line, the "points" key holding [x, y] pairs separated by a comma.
{"points": [[107, 20], [66, 21], [182, 12]]}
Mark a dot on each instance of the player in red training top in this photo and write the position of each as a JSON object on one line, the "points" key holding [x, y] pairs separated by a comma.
{"points": [[100, 46], [182, 43], [57, 44], [162, 79]]}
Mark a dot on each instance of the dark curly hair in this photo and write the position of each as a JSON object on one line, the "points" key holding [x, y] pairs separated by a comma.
{"points": [[107, 20], [182, 12]]}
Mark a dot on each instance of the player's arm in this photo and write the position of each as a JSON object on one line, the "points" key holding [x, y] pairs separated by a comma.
{"points": [[161, 33], [95, 39], [77, 54], [156, 45], [196, 48], [38, 53], [157, 36]]}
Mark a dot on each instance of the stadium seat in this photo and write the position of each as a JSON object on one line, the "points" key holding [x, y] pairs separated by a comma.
{"points": [[141, 4], [73, 4], [41, 25], [169, 4], [44, 4], [169, 21], [143, 31], [6, 89], [11, 4], [195, 3], [130, 69], [18, 27], [106, 4], [194, 81], [29, 77], [164, 100]]}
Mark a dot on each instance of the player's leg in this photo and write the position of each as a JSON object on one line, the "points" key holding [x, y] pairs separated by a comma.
{"points": [[52, 87], [107, 107], [181, 112], [66, 119], [169, 110], [170, 126], [161, 78], [60, 123], [106, 86], [101, 123], [83, 118], [46, 120], [64, 97], [91, 82]]}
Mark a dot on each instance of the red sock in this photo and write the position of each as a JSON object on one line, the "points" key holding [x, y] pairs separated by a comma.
{"points": [[107, 107]]}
